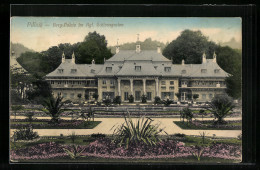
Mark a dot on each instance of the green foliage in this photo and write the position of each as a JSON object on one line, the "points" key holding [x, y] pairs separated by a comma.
{"points": [[25, 133], [186, 113], [143, 131], [167, 102], [195, 96], [157, 100], [95, 96], [19, 49], [107, 102], [131, 99], [53, 108], [144, 98], [29, 116], [15, 108], [117, 100], [147, 44], [178, 95], [75, 152], [221, 106], [189, 96], [86, 96], [79, 95], [93, 47], [189, 46]]}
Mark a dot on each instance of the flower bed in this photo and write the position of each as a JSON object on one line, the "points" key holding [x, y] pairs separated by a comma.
{"points": [[105, 148], [63, 124], [209, 125]]}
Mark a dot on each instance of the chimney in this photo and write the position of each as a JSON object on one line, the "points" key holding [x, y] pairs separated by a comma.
{"points": [[182, 62], [159, 49], [214, 57], [93, 61], [204, 60], [63, 58], [73, 58]]}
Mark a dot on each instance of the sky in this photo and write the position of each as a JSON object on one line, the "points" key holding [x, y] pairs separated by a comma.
{"points": [[40, 33]]}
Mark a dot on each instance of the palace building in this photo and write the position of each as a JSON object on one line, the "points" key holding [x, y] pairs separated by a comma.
{"points": [[137, 72]]}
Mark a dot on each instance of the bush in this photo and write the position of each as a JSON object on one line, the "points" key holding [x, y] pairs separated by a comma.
{"points": [[179, 135], [98, 135], [107, 102], [29, 116], [25, 133], [157, 100], [167, 102], [131, 99], [135, 134], [117, 100], [144, 98], [187, 114], [95, 96]]}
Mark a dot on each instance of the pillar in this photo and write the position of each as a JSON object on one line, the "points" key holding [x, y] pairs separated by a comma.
{"points": [[157, 86], [144, 86], [119, 86], [132, 86]]}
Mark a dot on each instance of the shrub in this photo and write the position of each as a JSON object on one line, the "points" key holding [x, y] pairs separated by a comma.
{"points": [[86, 96], [221, 106], [131, 99], [178, 95], [98, 104], [187, 114], [195, 96], [25, 133], [29, 116], [107, 102], [144, 98], [167, 102], [117, 100], [143, 131], [95, 96], [157, 100], [75, 152], [179, 135]]}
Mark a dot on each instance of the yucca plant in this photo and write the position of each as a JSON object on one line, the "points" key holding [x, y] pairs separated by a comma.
{"points": [[75, 153], [130, 133]]}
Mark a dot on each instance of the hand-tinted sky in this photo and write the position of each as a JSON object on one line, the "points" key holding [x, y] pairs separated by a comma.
{"points": [[39, 33]]}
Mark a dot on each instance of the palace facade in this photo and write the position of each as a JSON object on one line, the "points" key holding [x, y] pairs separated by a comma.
{"points": [[137, 72]]}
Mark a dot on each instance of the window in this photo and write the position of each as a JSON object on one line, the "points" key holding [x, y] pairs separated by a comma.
{"points": [[167, 95], [216, 71], [60, 70], [137, 68], [104, 82], [64, 95], [204, 96], [163, 88], [126, 96], [210, 96], [163, 83], [183, 71], [171, 87], [108, 95], [92, 71], [112, 82], [203, 70], [59, 82], [137, 95], [72, 95], [109, 69], [149, 95], [167, 69], [171, 82], [73, 70], [52, 82]]}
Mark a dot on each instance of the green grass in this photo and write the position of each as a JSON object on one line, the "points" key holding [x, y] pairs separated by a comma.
{"points": [[189, 159], [192, 140], [36, 125], [186, 125]]}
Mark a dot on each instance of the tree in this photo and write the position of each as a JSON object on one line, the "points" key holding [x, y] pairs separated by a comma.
{"points": [[16, 108], [157, 100], [53, 108], [95, 96], [187, 114], [189, 46], [117, 100], [195, 96], [93, 47], [144, 98], [221, 106], [131, 99]]}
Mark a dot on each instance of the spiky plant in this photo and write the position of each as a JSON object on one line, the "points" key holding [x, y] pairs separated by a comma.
{"points": [[130, 133]]}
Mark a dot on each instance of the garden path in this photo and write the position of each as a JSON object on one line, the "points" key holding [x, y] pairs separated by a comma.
{"points": [[108, 125]]}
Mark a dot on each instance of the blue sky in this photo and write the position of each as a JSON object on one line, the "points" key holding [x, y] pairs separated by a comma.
{"points": [[39, 33]]}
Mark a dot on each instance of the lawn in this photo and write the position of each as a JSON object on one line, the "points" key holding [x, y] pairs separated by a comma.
{"points": [[209, 125], [63, 124]]}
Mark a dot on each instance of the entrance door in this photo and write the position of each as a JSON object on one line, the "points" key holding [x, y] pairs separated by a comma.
{"points": [[137, 95]]}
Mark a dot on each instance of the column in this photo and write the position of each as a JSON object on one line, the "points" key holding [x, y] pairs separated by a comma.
{"points": [[132, 86], [157, 86], [119, 86], [144, 86]]}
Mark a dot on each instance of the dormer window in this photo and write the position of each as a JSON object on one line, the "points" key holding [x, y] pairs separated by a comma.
{"points": [[167, 69], [137, 68], [73, 70], [109, 69], [216, 71], [203, 70], [183, 71], [92, 71], [60, 70]]}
